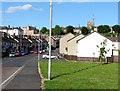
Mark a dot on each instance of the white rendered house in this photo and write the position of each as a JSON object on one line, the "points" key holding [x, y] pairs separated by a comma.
{"points": [[87, 46]]}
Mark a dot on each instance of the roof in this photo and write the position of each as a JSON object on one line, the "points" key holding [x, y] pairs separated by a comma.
{"points": [[9, 28], [114, 39], [66, 35], [75, 37], [8, 39], [92, 33]]}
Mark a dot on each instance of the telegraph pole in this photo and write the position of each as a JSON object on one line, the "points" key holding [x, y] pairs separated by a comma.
{"points": [[39, 46], [49, 62]]}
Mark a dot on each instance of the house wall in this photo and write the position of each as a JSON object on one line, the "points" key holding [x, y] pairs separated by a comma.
{"points": [[115, 52], [87, 47], [4, 30], [28, 32], [72, 45], [77, 30], [13, 31], [116, 45], [63, 43], [53, 41]]}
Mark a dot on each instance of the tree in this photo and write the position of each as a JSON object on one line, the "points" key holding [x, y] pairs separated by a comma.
{"points": [[104, 29], [85, 30], [102, 50], [116, 28], [44, 30], [70, 29], [57, 30]]}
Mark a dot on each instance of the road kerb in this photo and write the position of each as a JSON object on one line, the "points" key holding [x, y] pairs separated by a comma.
{"points": [[42, 78]]}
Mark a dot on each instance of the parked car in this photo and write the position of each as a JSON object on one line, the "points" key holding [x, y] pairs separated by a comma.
{"points": [[23, 53], [44, 51], [12, 54], [35, 52], [17, 53], [26, 52], [31, 51], [47, 56], [40, 51]]}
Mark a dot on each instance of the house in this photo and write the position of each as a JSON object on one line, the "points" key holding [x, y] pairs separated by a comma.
{"points": [[30, 30], [90, 24], [116, 45], [72, 45], [87, 47], [63, 47], [77, 30], [54, 41], [8, 43], [12, 30]]}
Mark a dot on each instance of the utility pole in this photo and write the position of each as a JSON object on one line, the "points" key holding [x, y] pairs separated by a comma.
{"points": [[39, 46], [49, 62]]}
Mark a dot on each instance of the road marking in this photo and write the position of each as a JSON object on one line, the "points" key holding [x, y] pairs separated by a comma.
{"points": [[11, 77], [7, 81]]}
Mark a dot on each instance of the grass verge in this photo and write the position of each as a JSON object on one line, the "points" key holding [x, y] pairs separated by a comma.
{"points": [[80, 75]]}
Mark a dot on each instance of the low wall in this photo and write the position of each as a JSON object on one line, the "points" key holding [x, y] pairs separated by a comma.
{"points": [[70, 57], [115, 59], [88, 59]]}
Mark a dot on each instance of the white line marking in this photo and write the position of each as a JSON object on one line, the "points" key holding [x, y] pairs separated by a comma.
{"points": [[11, 76]]}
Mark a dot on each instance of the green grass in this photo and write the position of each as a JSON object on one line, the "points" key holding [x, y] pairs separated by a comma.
{"points": [[81, 75]]}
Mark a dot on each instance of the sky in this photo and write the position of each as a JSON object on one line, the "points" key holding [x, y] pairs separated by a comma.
{"points": [[64, 13]]}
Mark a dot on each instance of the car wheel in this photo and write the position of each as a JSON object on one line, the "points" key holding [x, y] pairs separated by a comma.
{"points": [[55, 57]]}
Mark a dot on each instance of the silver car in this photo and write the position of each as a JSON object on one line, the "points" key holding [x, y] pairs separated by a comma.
{"points": [[47, 56], [12, 54]]}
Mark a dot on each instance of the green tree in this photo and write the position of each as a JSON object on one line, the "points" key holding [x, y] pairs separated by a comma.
{"points": [[44, 30], [57, 30], [70, 29], [85, 30], [104, 29], [116, 28], [102, 50], [53, 31], [47, 32]]}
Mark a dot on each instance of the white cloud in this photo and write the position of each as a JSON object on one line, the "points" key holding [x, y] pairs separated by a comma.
{"points": [[16, 8], [12, 9]]}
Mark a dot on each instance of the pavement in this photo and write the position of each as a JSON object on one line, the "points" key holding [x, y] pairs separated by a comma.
{"points": [[27, 79]]}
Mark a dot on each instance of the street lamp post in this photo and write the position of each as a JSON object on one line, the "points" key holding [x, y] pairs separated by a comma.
{"points": [[39, 46], [49, 62]]}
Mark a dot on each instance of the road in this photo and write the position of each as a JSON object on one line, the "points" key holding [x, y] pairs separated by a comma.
{"points": [[20, 73]]}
